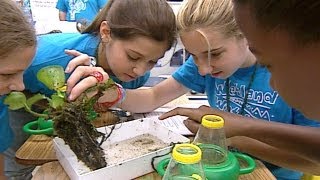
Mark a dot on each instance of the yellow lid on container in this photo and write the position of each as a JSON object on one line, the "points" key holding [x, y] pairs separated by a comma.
{"points": [[196, 176], [186, 153], [212, 121]]}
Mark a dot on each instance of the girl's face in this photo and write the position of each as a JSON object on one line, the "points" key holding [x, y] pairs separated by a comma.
{"points": [[11, 69], [226, 54], [129, 59]]}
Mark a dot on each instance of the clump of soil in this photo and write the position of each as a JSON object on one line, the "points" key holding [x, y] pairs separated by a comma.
{"points": [[73, 126]]}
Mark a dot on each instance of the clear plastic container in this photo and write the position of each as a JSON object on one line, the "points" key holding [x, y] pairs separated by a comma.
{"points": [[212, 140], [185, 163]]}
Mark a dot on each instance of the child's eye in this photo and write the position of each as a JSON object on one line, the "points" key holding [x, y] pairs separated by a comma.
{"points": [[7, 75], [133, 58], [215, 54]]}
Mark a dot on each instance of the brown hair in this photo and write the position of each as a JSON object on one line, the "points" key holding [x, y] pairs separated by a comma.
{"points": [[214, 14], [131, 18], [297, 17], [15, 30]]}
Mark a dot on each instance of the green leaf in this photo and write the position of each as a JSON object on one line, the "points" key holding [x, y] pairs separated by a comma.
{"points": [[35, 98], [61, 94], [52, 76], [15, 100], [56, 101]]}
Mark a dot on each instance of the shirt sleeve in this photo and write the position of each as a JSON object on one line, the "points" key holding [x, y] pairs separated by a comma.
{"points": [[61, 6], [188, 75], [6, 133]]}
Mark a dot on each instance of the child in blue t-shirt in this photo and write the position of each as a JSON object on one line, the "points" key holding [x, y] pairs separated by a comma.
{"points": [[79, 10], [124, 48], [17, 48], [223, 67]]}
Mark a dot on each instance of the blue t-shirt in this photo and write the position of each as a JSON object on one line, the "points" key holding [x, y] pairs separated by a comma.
{"points": [[80, 9], [6, 134], [262, 102]]}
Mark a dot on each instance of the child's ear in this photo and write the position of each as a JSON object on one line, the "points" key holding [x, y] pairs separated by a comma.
{"points": [[245, 43], [105, 32]]}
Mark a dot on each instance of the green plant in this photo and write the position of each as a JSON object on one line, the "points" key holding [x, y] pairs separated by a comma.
{"points": [[71, 120], [51, 76]]}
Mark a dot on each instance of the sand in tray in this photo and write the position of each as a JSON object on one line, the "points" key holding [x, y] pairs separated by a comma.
{"points": [[132, 148], [124, 150]]}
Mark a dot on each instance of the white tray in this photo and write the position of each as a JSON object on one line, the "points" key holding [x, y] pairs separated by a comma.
{"points": [[127, 169]]}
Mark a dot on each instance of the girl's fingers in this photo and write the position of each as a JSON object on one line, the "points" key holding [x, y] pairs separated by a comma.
{"points": [[80, 59], [80, 80], [178, 111], [81, 87], [72, 52], [192, 125]]}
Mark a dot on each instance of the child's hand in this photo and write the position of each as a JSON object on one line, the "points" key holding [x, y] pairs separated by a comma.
{"points": [[84, 74], [79, 60], [232, 123], [194, 116], [192, 113], [84, 77]]}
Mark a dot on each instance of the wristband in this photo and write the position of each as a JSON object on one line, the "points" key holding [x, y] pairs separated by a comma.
{"points": [[123, 93], [121, 97]]}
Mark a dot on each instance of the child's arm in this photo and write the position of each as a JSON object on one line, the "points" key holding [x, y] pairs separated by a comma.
{"points": [[62, 16], [146, 100], [62, 10], [273, 155]]}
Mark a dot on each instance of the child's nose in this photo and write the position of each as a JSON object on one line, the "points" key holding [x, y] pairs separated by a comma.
{"points": [[204, 69], [16, 84], [140, 69]]}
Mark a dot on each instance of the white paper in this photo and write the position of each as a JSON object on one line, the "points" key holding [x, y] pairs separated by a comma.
{"points": [[174, 123]]}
